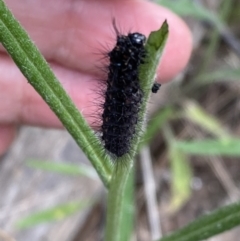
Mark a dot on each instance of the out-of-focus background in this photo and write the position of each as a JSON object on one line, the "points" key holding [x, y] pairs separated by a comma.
{"points": [[49, 191]]}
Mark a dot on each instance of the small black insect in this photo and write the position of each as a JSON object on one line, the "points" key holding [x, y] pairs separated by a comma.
{"points": [[123, 95], [155, 88]]}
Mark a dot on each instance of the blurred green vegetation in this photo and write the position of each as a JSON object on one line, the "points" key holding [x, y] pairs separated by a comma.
{"points": [[52, 214]]}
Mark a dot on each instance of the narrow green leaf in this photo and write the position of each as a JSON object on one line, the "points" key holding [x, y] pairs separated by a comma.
{"points": [[154, 47], [53, 214], [63, 168], [224, 147], [181, 172], [196, 114], [34, 67], [147, 71], [209, 225], [181, 178], [221, 75]]}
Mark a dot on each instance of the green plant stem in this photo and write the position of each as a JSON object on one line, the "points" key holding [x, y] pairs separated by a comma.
{"points": [[116, 204], [39, 75], [154, 47], [128, 216]]}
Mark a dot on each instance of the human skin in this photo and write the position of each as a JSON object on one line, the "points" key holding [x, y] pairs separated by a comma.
{"points": [[71, 34]]}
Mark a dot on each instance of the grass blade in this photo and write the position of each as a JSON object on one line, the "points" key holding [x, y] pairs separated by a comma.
{"points": [[63, 168], [181, 172], [224, 147], [53, 214], [209, 225], [220, 75], [181, 178], [196, 114]]}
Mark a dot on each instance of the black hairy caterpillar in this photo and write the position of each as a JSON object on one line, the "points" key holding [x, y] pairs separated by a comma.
{"points": [[123, 95]]}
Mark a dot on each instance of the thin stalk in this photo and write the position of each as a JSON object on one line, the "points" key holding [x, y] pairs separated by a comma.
{"points": [[38, 73], [154, 48], [116, 197]]}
